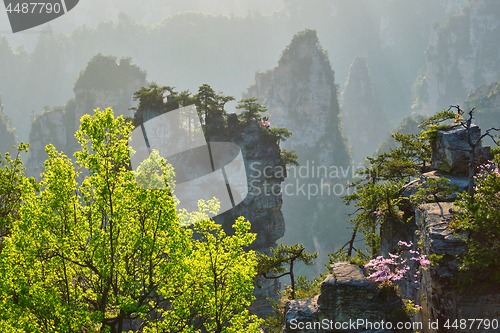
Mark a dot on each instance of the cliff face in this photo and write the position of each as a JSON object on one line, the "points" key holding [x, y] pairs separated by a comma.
{"points": [[301, 95], [263, 204], [462, 54], [7, 134], [430, 225], [362, 116]]}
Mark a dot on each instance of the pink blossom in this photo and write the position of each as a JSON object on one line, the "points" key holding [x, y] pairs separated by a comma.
{"points": [[425, 262], [405, 244]]}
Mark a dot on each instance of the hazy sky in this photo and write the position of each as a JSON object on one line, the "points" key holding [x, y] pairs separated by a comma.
{"points": [[90, 12]]}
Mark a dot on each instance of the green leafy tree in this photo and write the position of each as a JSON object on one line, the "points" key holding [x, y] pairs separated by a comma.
{"points": [[220, 282], [376, 194], [271, 267], [94, 256], [11, 178], [251, 109]]}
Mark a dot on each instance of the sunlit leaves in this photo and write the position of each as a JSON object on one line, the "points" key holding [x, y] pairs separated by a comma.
{"points": [[100, 252]]}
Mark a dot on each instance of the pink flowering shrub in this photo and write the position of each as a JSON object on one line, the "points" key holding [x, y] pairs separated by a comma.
{"points": [[385, 271], [264, 123]]}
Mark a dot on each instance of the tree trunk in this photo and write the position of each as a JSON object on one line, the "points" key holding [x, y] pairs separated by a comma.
{"points": [[470, 187], [351, 242], [292, 279]]}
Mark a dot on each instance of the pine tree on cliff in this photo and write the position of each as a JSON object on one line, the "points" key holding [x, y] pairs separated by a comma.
{"points": [[361, 113]]}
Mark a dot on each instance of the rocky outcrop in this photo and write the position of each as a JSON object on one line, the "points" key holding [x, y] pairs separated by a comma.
{"points": [[462, 54], [348, 302], [301, 95], [361, 113], [440, 299], [104, 83], [7, 133], [451, 149]]}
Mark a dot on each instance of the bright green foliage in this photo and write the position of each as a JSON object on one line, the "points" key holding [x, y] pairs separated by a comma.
{"points": [[90, 257], [439, 121], [410, 307], [11, 177], [220, 283], [251, 109], [440, 117], [479, 219], [271, 267]]}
